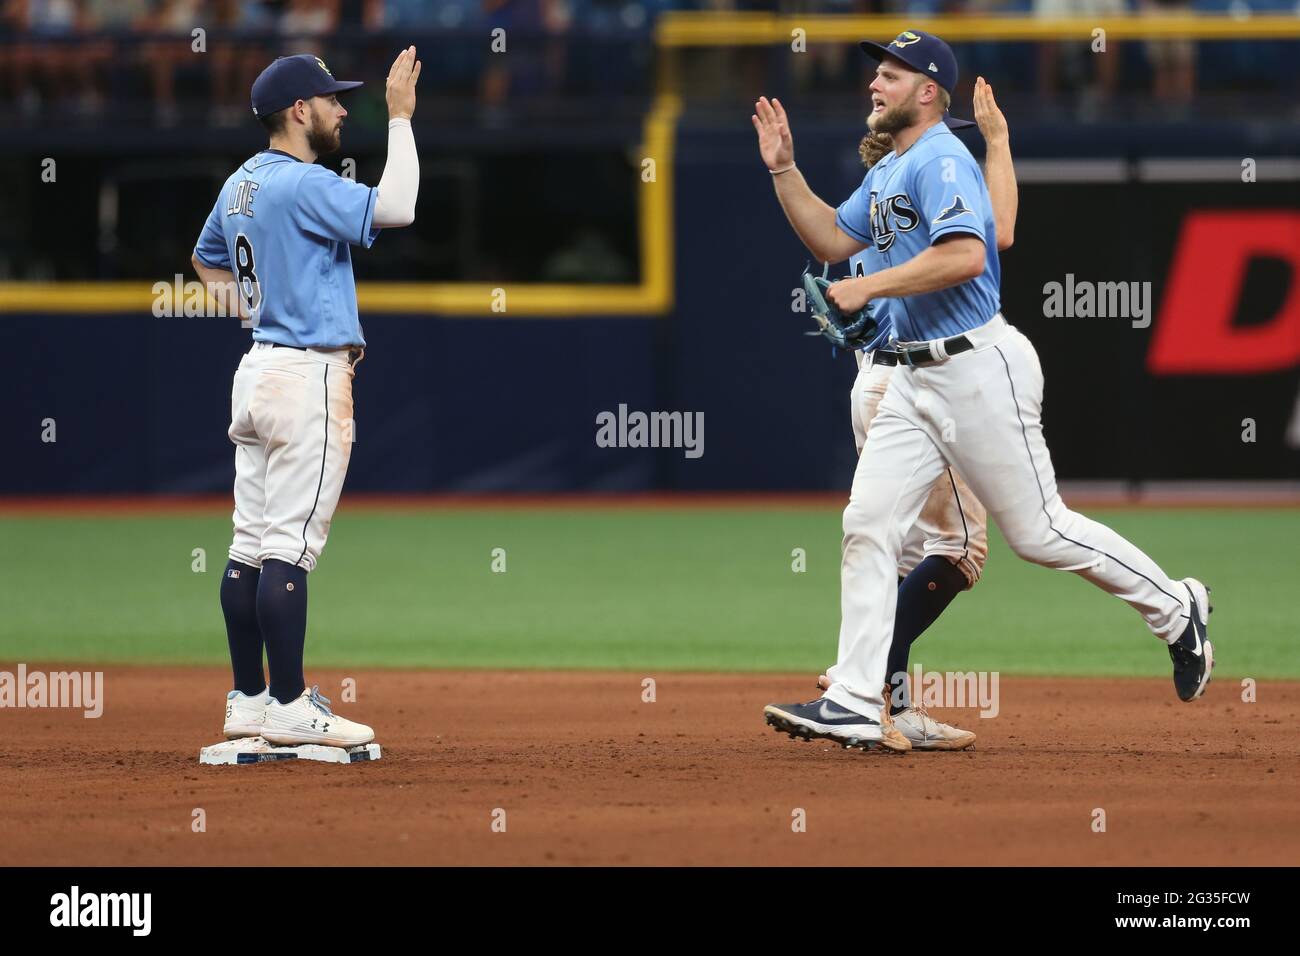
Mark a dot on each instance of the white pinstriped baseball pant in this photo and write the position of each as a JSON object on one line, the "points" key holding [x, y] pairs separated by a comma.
{"points": [[953, 523], [989, 400], [291, 422]]}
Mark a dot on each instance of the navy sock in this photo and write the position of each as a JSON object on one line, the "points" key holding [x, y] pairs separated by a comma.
{"points": [[922, 597], [282, 612], [239, 605]]}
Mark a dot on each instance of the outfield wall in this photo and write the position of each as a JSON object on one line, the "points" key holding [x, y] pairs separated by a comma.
{"points": [[500, 403]]}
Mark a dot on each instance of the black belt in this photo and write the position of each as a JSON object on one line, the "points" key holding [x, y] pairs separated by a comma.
{"points": [[920, 354], [353, 353]]}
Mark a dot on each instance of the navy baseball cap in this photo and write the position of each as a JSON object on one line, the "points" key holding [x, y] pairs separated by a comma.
{"points": [[293, 78], [925, 53]]}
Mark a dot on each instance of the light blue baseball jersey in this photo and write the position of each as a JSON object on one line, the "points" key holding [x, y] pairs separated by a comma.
{"points": [[906, 203], [861, 264], [284, 228]]}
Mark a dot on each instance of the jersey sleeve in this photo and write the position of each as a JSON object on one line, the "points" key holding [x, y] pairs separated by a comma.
{"points": [[950, 196], [854, 214], [329, 206], [211, 248]]}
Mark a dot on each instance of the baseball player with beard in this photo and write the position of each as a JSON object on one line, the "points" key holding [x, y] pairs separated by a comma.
{"points": [[966, 394], [945, 551], [281, 231]]}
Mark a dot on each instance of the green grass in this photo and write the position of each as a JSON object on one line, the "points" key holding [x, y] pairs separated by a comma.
{"points": [[689, 588]]}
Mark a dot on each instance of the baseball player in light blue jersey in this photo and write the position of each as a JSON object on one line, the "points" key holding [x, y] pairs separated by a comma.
{"points": [[966, 394], [944, 553], [281, 233]]}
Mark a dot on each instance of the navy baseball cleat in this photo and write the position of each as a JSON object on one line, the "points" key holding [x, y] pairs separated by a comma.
{"points": [[1192, 654], [827, 720]]}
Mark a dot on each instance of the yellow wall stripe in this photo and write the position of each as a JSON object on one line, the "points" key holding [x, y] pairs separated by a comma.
{"points": [[750, 29]]}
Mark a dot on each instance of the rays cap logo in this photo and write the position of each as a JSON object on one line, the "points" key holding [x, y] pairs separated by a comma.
{"points": [[925, 53], [292, 78]]}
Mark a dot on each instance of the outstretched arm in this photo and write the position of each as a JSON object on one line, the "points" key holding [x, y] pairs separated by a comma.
{"points": [[999, 172], [400, 183], [812, 219]]}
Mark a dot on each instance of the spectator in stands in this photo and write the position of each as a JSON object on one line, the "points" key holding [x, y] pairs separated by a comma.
{"points": [[823, 62], [304, 22], [237, 54], [523, 68], [169, 18], [41, 72], [1173, 60], [1107, 62], [106, 21], [362, 14]]}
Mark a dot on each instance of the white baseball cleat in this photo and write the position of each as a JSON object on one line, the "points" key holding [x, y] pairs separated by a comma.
{"points": [[308, 720], [926, 733], [244, 714]]}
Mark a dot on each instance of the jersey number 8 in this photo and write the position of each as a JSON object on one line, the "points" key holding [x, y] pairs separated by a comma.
{"points": [[246, 276]]}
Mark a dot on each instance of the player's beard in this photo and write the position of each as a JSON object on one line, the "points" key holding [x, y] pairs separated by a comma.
{"points": [[895, 118], [324, 137]]}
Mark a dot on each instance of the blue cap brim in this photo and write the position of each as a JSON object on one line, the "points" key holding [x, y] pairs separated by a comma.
{"points": [[339, 86], [955, 124], [877, 50]]}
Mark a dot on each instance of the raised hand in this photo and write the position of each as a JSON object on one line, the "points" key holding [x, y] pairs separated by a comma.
{"points": [[400, 89], [987, 115], [775, 144]]}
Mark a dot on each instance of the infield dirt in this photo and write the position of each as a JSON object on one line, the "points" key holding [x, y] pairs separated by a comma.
{"points": [[588, 773]]}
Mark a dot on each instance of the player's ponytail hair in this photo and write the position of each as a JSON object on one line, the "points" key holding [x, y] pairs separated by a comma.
{"points": [[873, 147]]}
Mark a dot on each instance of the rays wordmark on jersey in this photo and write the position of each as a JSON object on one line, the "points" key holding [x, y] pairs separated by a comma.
{"points": [[890, 216]]}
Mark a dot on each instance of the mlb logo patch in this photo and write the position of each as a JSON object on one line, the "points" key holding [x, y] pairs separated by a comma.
{"points": [[232, 573]]}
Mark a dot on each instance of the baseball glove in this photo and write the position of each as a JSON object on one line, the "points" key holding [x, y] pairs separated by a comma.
{"points": [[849, 332]]}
